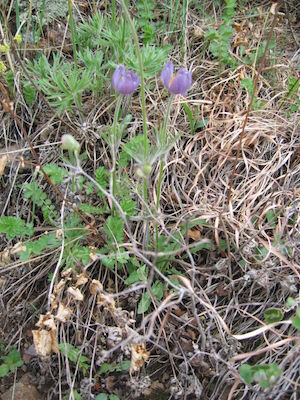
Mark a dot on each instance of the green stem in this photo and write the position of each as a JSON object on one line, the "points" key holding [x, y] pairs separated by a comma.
{"points": [[162, 163], [141, 73], [73, 33], [114, 144], [113, 12]]}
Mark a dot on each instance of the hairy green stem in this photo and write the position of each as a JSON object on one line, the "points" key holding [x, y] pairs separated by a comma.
{"points": [[73, 33], [162, 163], [141, 73], [114, 145], [113, 12]]}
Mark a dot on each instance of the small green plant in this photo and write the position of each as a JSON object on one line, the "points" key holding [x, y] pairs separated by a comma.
{"points": [[14, 227], [264, 374], [273, 315], [145, 20], [73, 355], [248, 84], [39, 198], [104, 396], [61, 82], [220, 39], [109, 368], [10, 362], [296, 319]]}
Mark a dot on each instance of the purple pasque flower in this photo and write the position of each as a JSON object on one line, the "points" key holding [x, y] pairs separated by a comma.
{"points": [[178, 83], [125, 81]]}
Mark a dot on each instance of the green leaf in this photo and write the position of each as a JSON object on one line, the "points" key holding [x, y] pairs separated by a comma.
{"points": [[56, 173], [211, 34], [273, 315], [190, 116], [10, 79], [29, 93], [296, 319], [114, 229], [139, 275], [13, 360], [246, 373], [122, 366], [128, 206], [15, 227], [101, 396], [113, 397], [47, 241], [248, 84], [34, 192], [102, 177], [109, 261], [73, 355], [158, 290], [290, 302], [144, 303], [87, 208], [4, 370], [265, 374]]}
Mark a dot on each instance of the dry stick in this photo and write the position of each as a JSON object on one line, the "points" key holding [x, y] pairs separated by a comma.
{"points": [[9, 108], [273, 346], [242, 134]]}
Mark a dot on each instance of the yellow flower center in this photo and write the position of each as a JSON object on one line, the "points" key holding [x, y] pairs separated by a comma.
{"points": [[172, 79]]}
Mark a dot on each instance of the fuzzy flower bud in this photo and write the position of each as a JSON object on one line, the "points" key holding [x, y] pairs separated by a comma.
{"points": [[125, 81], [69, 143]]}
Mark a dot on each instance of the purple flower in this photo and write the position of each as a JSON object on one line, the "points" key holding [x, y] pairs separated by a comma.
{"points": [[176, 83], [125, 82]]}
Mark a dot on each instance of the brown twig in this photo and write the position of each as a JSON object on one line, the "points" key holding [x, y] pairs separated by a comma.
{"points": [[242, 134]]}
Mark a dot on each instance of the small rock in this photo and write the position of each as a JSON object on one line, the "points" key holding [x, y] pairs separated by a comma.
{"points": [[23, 390]]}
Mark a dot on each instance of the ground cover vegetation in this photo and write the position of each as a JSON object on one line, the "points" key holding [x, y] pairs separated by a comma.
{"points": [[149, 203]]}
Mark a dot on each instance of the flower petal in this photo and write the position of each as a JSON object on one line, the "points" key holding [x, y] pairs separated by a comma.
{"points": [[118, 73], [182, 82], [125, 81], [166, 74]]}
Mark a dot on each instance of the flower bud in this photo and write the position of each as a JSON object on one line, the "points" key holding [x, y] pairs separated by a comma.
{"points": [[69, 143], [125, 81]]}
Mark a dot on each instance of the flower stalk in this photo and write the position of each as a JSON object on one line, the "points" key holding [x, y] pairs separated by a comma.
{"points": [[141, 72]]}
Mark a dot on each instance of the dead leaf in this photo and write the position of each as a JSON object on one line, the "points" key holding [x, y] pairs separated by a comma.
{"points": [[3, 162], [42, 342], [67, 273], [95, 287], [75, 293], [198, 32], [46, 321], [17, 248], [139, 355], [81, 279], [59, 287], [45, 342], [63, 313], [194, 234], [106, 300]]}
